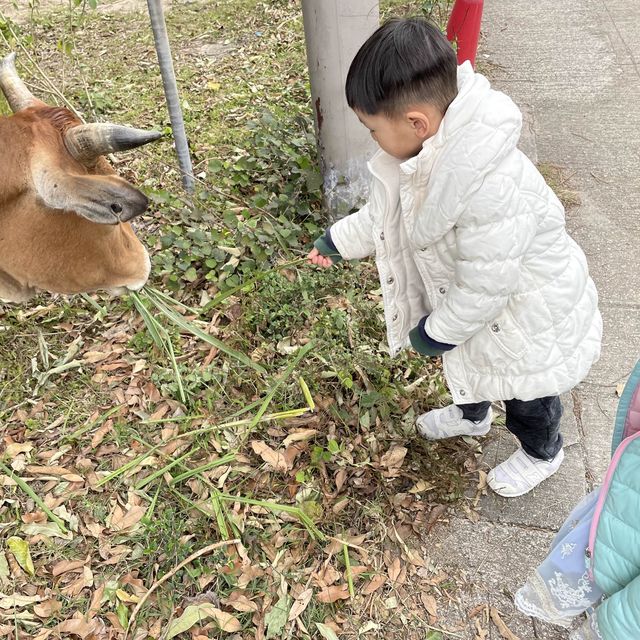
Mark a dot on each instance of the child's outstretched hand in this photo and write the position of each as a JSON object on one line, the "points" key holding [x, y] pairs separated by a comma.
{"points": [[315, 257]]}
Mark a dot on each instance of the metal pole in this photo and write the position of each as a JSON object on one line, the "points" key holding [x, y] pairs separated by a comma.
{"points": [[334, 31], [163, 50]]}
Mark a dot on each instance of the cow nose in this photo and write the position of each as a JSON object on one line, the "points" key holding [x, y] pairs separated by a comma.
{"points": [[127, 209]]}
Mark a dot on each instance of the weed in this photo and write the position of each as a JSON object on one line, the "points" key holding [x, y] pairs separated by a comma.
{"points": [[558, 179]]}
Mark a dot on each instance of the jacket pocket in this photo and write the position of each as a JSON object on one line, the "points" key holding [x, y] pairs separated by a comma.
{"points": [[508, 336], [497, 346]]}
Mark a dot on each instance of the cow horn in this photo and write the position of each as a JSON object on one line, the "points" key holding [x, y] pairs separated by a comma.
{"points": [[15, 91], [88, 141]]}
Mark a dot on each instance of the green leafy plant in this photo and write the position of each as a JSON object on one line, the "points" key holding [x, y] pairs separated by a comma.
{"points": [[263, 202]]}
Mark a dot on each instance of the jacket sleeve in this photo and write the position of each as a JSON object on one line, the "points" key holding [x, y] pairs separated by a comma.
{"points": [[353, 235], [619, 616], [488, 266], [326, 247]]}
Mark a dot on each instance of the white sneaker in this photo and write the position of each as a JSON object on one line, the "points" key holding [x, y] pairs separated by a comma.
{"points": [[448, 422], [520, 473]]}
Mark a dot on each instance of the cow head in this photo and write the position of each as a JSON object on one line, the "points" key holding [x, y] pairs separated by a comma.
{"points": [[63, 211]]}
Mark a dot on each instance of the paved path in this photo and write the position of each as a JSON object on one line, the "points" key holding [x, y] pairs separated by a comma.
{"points": [[572, 68]]}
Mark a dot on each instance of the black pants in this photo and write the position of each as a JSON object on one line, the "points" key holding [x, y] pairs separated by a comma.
{"points": [[536, 423]]}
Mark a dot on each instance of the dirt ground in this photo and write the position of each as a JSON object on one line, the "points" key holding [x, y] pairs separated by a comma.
{"points": [[22, 11]]}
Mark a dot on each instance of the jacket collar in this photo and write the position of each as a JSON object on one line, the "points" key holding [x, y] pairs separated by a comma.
{"points": [[473, 89]]}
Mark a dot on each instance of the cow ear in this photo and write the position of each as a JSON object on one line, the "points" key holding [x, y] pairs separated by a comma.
{"points": [[101, 199]]}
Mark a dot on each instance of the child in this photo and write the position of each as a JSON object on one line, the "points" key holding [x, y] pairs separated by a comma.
{"points": [[471, 248], [594, 562]]}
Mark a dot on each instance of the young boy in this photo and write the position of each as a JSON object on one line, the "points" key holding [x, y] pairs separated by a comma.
{"points": [[471, 248]]}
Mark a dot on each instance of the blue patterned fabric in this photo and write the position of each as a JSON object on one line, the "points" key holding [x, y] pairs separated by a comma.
{"points": [[560, 588]]}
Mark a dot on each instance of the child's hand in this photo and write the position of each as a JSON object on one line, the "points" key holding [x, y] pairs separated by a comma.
{"points": [[315, 257]]}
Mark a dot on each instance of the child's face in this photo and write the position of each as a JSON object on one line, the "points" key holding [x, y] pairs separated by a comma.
{"points": [[402, 136]]}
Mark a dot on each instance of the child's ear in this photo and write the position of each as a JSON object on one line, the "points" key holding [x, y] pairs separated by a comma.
{"points": [[420, 123]]}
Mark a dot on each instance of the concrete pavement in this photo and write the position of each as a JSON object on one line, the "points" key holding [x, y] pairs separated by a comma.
{"points": [[572, 69]]}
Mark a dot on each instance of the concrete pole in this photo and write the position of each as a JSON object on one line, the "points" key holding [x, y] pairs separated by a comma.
{"points": [[335, 30]]}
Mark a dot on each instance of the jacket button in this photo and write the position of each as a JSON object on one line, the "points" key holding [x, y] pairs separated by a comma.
{"points": [[390, 280], [382, 236], [395, 317], [442, 290], [462, 392], [495, 327]]}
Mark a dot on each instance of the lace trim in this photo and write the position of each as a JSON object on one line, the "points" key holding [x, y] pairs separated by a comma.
{"points": [[555, 602], [524, 602]]}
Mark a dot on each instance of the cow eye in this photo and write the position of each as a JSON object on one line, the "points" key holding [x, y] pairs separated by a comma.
{"points": [[116, 208]]}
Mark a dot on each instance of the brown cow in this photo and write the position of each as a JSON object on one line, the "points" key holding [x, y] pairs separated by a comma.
{"points": [[63, 211]]}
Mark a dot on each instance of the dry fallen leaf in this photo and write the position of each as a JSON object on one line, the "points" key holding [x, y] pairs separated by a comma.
{"points": [[99, 435], [505, 632], [47, 608], [374, 584], [16, 601], [77, 627], [335, 546], [76, 587], [60, 472], [35, 516], [67, 565], [277, 461], [240, 602], [394, 570], [16, 448], [333, 593], [394, 457], [95, 356], [300, 604], [122, 520], [326, 576], [299, 436], [430, 605]]}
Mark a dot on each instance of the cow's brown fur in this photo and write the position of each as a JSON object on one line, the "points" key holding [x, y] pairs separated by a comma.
{"points": [[55, 249]]}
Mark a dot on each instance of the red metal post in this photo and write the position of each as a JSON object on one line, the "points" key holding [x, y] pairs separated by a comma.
{"points": [[463, 28]]}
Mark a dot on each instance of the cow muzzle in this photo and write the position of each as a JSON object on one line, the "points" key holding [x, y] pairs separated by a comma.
{"points": [[131, 207]]}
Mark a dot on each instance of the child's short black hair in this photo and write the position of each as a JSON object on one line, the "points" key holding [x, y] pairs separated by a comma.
{"points": [[404, 61]]}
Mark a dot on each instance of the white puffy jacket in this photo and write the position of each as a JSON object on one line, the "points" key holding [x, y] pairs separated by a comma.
{"points": [[469, 232]]}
